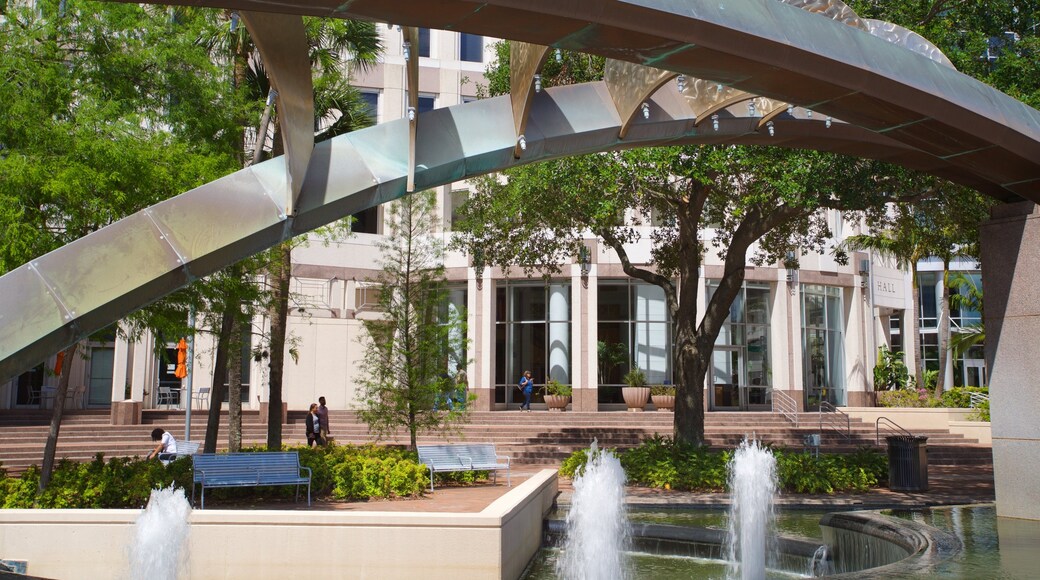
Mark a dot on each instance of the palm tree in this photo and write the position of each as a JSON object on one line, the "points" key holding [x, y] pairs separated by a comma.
{"points": [[903, 243], [973, 334]]}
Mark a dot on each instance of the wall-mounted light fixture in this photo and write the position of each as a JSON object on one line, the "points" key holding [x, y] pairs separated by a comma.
{"points": [[751, 109], [559, 56], [771, 129], [680, 82], [411, 113], [715, 122], [537, 83], [585, 264], [864, 272], [522, 141], [646, 110], [808, 113], [791, 264], [828, 123], [407, 50]]}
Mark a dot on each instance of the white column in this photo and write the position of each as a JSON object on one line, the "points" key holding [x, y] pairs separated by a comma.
{"points": [[559, 333], [120, 362]]}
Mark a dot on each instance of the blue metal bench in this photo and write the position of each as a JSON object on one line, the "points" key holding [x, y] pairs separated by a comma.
{"points": [[472, 457], [249, 470]]}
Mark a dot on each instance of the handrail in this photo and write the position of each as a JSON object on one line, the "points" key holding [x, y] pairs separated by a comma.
{"points": [[786, 406], [877, 429], [977, 398], [833, 418]]}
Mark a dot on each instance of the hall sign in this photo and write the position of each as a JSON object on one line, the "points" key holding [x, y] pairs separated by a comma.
{"points": [[889, 287]]}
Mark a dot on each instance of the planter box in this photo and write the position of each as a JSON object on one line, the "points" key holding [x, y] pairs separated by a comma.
{"points": [[664, 402], [557, 402], [636, 397]]}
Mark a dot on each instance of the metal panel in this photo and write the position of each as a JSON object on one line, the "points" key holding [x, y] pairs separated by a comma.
{"points": [[282, 42]]}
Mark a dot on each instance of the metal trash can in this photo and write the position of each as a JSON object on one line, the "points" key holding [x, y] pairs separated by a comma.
{"points": [[907, 463]]}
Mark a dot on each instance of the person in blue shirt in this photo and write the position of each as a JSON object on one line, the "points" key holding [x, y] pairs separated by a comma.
{"points": [[527, 386]]}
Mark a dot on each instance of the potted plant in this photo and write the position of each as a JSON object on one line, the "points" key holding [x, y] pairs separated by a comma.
{"points": [[557, 395], [663, 397], [636, 394]]}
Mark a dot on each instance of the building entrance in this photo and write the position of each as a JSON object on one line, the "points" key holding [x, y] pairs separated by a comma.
{"points": [[730, 390]]}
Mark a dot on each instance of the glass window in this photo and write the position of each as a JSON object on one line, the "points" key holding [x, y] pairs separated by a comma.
{"points": [[424, 42], [366, 222], [471, 47], [371, 99], [634, 331], [744, 366], [533, 332], [101, 366], [929, 301], [456, 199], [426, 103], [823, 345]]}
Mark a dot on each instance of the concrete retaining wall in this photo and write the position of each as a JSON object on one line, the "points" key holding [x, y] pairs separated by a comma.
{"points": [[496, 543]]}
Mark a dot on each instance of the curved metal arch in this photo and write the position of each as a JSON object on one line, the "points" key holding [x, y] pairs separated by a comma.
{"points": [[908, 39], [525, 60], [630, 85], [67, 294], [765, 48], [833, 9]]}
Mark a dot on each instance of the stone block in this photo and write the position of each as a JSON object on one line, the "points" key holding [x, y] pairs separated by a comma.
{"points": [[126, 412]]}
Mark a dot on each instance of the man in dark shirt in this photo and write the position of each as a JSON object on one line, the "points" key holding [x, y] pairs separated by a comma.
{"points": [[323, 417]]}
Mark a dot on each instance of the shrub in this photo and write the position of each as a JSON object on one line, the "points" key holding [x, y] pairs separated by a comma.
{"points": [[635, 378], [981, 412], [663, 390], [890, 372], [960, 397], [907, 398], [554, 387], [370, 471], [661, 462]]}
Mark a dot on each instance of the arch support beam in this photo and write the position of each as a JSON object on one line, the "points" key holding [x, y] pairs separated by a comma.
{"points": [[282, 42]]}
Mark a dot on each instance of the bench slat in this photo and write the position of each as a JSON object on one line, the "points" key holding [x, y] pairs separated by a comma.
{"points": [[467, 457], [249, 470]]}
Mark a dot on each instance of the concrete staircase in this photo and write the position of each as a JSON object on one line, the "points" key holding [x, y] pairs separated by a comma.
{"points": [[539, 437]]}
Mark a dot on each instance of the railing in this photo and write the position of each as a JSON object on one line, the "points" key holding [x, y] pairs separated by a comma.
{"points": [[891, 423], [831, 417], [977, 399], [786, 406]]}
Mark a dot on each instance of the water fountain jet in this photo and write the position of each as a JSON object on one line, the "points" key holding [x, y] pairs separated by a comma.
{"points": [[753, 485], [161, 536]]}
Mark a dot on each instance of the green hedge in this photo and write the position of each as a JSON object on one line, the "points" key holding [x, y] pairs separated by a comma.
{"points": [[343, 472], [662, 463]]}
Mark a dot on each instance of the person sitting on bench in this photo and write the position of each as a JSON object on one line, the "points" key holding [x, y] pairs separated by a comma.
{"points": [[166, 449]]}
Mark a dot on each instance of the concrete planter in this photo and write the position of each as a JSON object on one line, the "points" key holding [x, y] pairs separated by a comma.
{"points": [[664, 402], [557, 402], [636, 397]]}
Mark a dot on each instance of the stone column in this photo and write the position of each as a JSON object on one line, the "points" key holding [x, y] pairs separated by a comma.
{"points": [[1011, 281]]}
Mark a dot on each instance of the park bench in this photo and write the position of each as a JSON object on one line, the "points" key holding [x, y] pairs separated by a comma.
{"points": [[184, 449], [472, 457], [249, 470]]}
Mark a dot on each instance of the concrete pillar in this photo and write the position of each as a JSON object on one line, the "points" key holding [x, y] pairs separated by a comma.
{"points": [[126, 412], [482, 333], [1011, 281]]}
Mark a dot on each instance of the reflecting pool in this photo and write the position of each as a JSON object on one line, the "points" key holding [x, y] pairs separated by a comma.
{"points": [[993, 548]]}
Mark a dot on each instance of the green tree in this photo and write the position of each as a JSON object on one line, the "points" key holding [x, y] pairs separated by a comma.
{"points": [[967, 297], [945, 227], [410, 350], [91, 128], [763, 202]]}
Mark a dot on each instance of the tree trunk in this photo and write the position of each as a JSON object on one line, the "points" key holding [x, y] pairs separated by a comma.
{"points": [[944, 331], [235, 386], [51, 448], [280, 273], [217, 390]]}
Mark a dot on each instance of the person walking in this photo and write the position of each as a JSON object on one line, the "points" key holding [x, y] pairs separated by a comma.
{"points": [[526, 386], [313, 424], [323, 417]]}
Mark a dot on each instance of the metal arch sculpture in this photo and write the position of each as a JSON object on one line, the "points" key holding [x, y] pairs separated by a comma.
{"points": [[63, 296], [898, 105]]}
